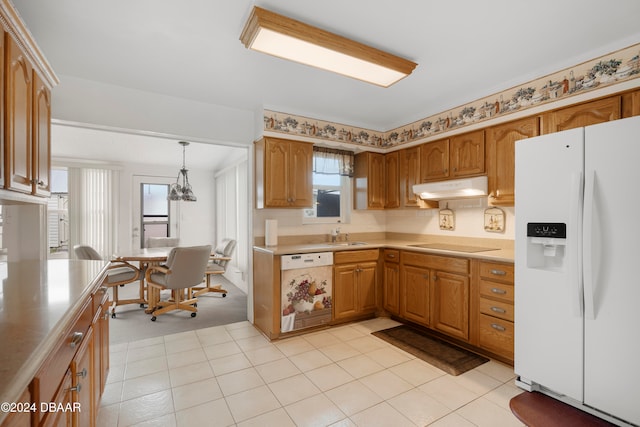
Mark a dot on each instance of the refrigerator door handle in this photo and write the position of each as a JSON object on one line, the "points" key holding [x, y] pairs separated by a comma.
{"points": [[575, 269], [587, 236]]}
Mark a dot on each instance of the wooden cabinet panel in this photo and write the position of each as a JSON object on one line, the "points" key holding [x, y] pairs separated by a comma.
{"points": [[415, 295], [501, 157], [19, 419], [345, 291], [496, 335], [18, 114], [391, 287], [497, 271], [392, 182], [434, 160], [284, 177], [343, 257], [369, 181], [438, 262], [64, 397], [498, 309], [588, 113], [631, 104], [83, 377], [467, 154], [367, 279], [409, 176], [41, 138], [450, 304]]}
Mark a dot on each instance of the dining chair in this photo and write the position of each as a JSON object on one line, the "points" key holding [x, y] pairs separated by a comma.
{"points": [[119, 273], [217, 266], [183, 270]]}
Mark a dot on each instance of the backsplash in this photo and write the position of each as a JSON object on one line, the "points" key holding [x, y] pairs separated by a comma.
{"points": [[607, 70]]}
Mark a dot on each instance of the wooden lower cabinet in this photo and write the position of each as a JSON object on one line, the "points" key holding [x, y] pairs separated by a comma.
{"points": [[83, 375], [391, 281], [415, 295], [63, 398], [496, 308], [450, 304], [355, 279]]}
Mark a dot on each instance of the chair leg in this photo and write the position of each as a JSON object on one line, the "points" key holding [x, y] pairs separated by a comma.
{"points": [[208, 288]]}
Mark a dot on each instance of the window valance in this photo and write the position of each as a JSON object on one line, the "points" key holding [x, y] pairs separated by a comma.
{"points": [[333, 161]]}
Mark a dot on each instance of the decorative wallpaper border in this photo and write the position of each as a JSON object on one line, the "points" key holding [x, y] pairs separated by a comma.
{"points": [[606, 70]]}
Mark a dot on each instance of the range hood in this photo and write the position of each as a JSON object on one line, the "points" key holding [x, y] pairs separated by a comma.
{"points": [[453, 189]]}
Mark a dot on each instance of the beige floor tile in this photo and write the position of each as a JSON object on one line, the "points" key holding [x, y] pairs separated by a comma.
{"points": [[278, 418], [146, 384], [218, 336], [224, 365], [328, 377], [360, 366], [477, 382], [484, 413], [497, 370], [243, 331], [321, 339], [367, 343], [339, 351], [112, 394], [386, 384], [419, 407], [503, 394], [117, 358], [146, 342], [184, 358], [292, 346], [317, 410], [277, 370], [448, 392], [168, 420], [115, 348], [293, 389], [190, 373], [145, 408], [148, 352], [381, 415], [353, 397], [116, 373], [310, 360], [389, 357], [188, 395], [263, 355], [221, 350], [346, 333], [452, 420], [252, 342], [183, 344], [416, 372], [108, 415], [239, 381], [376, 324], [180, 336], [141, 368], [211, 414], [344, 423], [262, 401], [213, 330]]}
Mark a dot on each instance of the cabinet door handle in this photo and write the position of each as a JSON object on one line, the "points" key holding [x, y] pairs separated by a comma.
{"points": [[425, 276], [82, 374], [391, 255], [76, 338], [498, 272], [76, 388], [498, 327], [498, 310], [498, 291]]}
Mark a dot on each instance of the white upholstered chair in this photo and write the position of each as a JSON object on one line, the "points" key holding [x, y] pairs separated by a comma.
{"points": [[119, 273], [217, 266], [183, 270]]}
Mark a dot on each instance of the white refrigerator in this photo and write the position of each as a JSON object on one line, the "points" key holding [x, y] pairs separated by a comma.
{"points": [[577, 268]]}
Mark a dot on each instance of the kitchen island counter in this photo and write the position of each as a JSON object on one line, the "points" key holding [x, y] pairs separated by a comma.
{"points": [[38, 302]]}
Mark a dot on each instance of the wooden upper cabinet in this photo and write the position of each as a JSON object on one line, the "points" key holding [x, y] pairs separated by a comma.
{"points": [[41, 138], [409, 175], [18, 112], [631, 104], [500, 153], [467, 154], [369, 181], [284, 176], [588, 113], [434, 160], [392, 181]]}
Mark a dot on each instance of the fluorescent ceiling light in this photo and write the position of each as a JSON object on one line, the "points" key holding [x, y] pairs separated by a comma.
{"points": [[286, 38]]}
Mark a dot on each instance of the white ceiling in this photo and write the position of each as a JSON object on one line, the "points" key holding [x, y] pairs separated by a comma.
{"points": [[465, 49]]}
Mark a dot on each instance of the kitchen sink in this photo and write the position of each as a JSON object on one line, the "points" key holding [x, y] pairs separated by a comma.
{"points": [[348, 243]]}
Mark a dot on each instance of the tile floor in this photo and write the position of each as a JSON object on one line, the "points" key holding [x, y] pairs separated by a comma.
{"points": [[232, 376]]}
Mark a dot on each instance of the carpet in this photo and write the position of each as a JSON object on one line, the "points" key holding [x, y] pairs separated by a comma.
{"points": [[132, 323], [450, 358]]}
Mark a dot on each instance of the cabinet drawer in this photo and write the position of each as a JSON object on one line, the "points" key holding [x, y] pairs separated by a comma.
{"points": [[344, 257], [496, 290], [99, 297], [497, 271], [494, 308], [496, 335], [47, 380], [443, 263], [391, 255]]}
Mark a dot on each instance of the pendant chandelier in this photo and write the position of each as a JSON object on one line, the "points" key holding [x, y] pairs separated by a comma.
{"points": [[176, 190]]}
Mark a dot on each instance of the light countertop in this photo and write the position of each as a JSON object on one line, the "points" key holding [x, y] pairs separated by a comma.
{"points": [[503, 248], [37, 303]]}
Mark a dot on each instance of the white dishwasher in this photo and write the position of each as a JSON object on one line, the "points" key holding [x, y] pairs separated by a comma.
{"points": [[306, 290]]}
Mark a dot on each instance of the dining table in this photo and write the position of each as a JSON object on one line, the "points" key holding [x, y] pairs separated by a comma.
{"points": [[146, 257]]}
